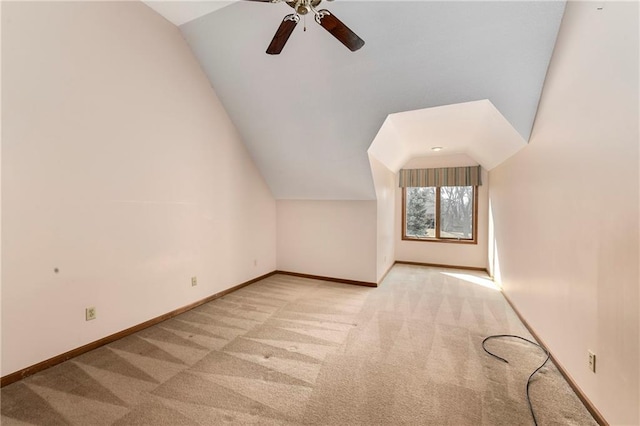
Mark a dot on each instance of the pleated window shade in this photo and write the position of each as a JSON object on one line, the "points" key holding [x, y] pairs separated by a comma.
{"points": [[446, 176]]}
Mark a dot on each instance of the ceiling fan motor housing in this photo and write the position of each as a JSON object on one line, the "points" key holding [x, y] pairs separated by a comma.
{"points": [[302, 7]]}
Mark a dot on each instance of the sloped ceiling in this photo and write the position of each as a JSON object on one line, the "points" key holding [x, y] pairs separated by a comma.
{"points": [[183, 11], [309, 115]]}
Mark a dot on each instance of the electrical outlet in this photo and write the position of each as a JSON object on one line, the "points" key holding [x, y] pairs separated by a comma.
{"points": [[592, 361], [90, 313], [194, 281]]}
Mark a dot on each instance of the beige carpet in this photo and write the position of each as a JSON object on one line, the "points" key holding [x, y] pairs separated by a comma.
{"points": [[288, 350]]}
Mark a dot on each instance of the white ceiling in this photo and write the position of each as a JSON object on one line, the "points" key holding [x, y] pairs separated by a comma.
{"points": [[183, 11], [309, 115], [476, 129]]}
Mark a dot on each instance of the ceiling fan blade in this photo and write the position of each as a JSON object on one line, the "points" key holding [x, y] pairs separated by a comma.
{"points": [[329, 22], [282, 35]]}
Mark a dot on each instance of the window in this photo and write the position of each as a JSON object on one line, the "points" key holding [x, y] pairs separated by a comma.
{"points": [[440, 213]]}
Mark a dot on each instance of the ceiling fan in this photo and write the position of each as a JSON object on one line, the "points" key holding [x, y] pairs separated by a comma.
{"points": [[326, 19]]}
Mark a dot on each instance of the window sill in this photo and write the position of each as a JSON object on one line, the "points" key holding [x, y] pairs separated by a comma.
{"points": [[439, 240]]}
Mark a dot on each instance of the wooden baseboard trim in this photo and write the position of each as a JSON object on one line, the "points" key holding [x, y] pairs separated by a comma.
{"points": [[335, 280], [438, 265], [597, 415], [21, 374]]}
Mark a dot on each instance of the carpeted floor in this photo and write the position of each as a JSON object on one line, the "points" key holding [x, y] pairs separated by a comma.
{"points": [[289, 350]]}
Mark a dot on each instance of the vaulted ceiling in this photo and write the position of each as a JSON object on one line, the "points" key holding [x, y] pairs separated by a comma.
{"points": [[309, 115]]}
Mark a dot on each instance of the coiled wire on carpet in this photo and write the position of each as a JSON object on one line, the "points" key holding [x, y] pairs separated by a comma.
{"points": [[496, 336]]}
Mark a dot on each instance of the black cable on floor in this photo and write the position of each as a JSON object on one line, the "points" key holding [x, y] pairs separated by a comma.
{"points": [[496, 336]]}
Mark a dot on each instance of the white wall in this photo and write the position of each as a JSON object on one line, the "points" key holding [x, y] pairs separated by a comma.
{"points": [[385, 184], [334, 239], [121, 168], [1, 316], [454, 254], [566, 208]]}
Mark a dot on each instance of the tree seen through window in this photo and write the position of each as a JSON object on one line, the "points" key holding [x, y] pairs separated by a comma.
{"points": [[455, 212]]}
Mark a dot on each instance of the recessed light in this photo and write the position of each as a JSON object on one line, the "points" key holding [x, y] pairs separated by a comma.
{"points": [[437, 148]]}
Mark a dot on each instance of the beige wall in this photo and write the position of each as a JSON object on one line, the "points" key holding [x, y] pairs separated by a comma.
{"points": [[328, 238], [473, 255], [385, 185], [121, 168], [565, 208]]}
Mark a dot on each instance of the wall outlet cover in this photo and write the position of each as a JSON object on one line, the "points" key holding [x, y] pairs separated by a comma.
{"points": [[90, 313]]}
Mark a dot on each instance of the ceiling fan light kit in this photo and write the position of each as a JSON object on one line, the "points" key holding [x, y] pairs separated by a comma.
{"points": [[323, 17]]}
